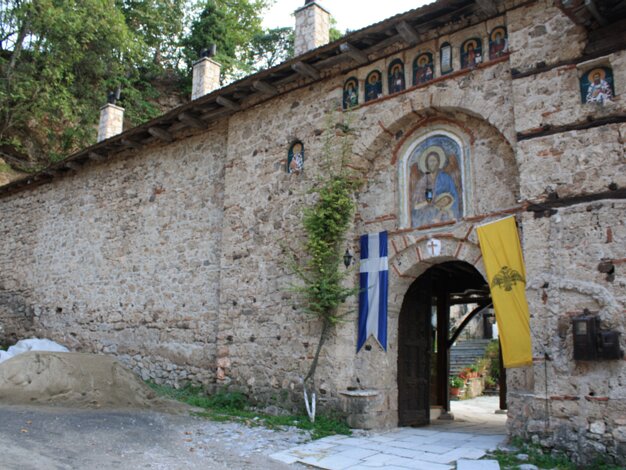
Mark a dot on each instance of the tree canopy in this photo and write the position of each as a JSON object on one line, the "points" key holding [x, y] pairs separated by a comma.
{"points": [[59, 58]]}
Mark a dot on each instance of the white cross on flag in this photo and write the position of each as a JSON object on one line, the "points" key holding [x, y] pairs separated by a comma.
{"points": [[374, 280]]}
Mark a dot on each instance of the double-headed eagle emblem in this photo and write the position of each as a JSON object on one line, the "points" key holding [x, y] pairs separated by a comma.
{"points": [[507, 278]]}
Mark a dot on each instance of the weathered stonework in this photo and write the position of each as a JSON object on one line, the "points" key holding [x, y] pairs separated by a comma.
{"points": [[173, 257]]}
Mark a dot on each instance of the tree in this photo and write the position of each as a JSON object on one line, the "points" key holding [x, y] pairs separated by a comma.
{"points": [[231, 25], [58, 58], [270, 48], [160, 24]]}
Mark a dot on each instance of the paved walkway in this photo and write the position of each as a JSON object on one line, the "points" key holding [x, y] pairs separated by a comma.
{"points": [[475, 430]]}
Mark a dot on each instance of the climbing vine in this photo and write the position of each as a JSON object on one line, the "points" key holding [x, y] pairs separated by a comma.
{"points": [[326, 223]]}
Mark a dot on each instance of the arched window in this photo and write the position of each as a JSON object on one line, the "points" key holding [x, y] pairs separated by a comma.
{"points": [[423, 68], [373, 86], [471, 53], [396, 76], [498, 43], [350, 93], [295, 159]]}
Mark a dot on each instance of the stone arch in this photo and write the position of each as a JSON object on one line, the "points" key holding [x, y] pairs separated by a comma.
{"points": [[416, 114], [409, 257], [492, 164]]}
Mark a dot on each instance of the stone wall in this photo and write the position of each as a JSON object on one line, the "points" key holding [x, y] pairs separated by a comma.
{"points": [[574, 405], [122, 258]]}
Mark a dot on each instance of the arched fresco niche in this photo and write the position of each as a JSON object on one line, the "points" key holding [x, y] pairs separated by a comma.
{"points": [[423, 68], [498, 43], [396, 76], [350, 93], [445, 58], [471, 53], [432, 176], [373, 86], [295, 159], [596, 85]]}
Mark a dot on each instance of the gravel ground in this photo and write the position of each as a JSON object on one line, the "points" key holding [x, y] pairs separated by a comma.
{"points": [[55, 438]]}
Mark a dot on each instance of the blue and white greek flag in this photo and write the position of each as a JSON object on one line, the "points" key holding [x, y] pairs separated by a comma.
{"points": [[373, 294]]}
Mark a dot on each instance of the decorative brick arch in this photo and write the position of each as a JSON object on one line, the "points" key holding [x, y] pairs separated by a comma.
{"points": [[409, 256]]}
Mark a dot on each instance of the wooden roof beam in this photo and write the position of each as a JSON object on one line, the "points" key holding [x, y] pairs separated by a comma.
{"points": [[354, 53], [73, 165], [227, 103], [191, 121], [161, 134], [408, 33], [264, 87], [306, 70], [96, 157], [132, 144]]}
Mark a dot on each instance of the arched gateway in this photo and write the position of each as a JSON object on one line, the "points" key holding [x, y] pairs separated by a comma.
{"points": [[425, 336]]}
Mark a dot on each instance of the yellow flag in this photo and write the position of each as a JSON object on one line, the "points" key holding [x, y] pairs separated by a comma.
{"points": [[502, 254]]}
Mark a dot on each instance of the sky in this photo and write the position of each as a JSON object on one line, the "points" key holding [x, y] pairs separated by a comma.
{"points": [[350, 14]]}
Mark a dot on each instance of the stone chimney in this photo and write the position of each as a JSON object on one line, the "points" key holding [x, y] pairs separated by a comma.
{"points": [[206, 74], [312, 27], [111, 121]]}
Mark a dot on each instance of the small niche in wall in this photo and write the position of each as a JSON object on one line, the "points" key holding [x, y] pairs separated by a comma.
{"points": [[373, 86], [396, 76], [295, 159], [498, 43], [350, 93], [445, 58], [596, 85], [423, 68], [471, 53]]}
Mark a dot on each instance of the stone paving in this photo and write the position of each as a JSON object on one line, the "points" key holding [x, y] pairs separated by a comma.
{"points": [[475, 431]]}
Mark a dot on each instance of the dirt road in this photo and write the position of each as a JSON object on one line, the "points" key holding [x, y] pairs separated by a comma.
{"points": [[41, 438]]}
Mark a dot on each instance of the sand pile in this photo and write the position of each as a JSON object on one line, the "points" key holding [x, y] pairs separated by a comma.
{"points": [[73, 379]]}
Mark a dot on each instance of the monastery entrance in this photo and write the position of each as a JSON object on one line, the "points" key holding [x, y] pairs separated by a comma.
{"points": [[426, 334]]}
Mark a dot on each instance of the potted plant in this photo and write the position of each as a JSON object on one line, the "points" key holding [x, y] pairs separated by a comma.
{"points": [[456, 384]]}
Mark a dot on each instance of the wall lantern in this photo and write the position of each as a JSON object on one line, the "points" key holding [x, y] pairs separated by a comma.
{"points": [[347, 258]]}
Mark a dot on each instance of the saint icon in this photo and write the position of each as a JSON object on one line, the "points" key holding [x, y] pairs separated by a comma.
{"points": [[396, 76], [471, 53], [435, 182], [423, 69], [350, 93], [599, 86], [498, 43], [373, 86]]}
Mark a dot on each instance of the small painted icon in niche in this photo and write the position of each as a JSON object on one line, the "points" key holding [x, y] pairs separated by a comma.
{"points": [[596, 86], [445, 57], [295, 160], [373, 86], [423, 68], [435, 181], [498, 43], [350, 93], [396, 76], [471, 53]]}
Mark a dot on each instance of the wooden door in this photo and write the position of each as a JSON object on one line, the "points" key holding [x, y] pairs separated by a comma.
{"points": [[414, 357]]}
